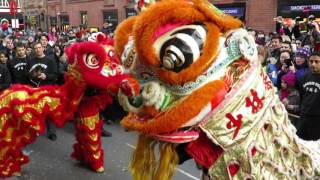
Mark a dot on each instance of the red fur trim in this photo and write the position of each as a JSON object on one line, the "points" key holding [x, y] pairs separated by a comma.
{"points": [[203, 151]]}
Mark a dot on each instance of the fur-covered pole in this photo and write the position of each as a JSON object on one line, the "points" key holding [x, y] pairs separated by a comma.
{"points": [[88, 134]]}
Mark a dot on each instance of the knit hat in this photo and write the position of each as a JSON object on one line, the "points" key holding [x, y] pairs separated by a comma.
{"points": [[289, 78], [4, 20], [303, 52]]}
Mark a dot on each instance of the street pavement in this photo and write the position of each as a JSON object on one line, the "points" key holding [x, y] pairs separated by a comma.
{"points": [[50, 160]]}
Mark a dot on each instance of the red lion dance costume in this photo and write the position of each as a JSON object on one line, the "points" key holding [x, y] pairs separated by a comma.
{"points": [[24, 109], [204, 95]]}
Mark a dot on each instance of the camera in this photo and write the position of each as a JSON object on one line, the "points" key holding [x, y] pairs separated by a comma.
{"points": [[288, 62]]}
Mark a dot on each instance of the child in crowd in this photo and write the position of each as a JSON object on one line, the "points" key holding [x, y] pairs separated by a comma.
{"points": [[289, 96]]}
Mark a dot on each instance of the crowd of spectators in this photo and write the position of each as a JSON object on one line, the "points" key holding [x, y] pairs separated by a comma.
{"points": [[290, 57], [37, 58]]}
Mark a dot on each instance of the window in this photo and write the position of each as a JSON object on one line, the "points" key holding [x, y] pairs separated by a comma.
{"points": [[109, 2], [111, 16], [84, 17]]}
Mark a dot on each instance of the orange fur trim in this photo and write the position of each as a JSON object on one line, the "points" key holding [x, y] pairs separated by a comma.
{"points": [[122, 33], [181, 112], [156, 16], [209, 52]]}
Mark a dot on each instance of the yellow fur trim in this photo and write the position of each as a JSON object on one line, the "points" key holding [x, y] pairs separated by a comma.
{"points": [[144, 164]]}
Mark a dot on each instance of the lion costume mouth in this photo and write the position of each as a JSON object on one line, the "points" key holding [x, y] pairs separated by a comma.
{"points": [[167, 125]]}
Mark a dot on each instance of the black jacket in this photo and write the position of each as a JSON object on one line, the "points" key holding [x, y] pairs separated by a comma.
{"points": [[42, 65], [18, 70], [5, 77], [309, 89]]}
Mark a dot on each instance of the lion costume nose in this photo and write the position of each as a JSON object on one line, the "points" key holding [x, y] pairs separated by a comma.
{"points": [[130, 87]]}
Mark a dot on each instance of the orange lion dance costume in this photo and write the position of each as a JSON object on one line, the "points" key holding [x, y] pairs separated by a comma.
{"points": [[24, 109], [205, 95]]}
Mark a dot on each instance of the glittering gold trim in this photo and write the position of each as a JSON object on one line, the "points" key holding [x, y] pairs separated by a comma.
{"points": [[90, 122], [97, 155], [93, 137]]}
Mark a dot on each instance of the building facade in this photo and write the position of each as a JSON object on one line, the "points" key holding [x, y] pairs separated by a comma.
{"points": [[34, 12], [93, 13], [5, 14], [259, 14], [64, 14]]}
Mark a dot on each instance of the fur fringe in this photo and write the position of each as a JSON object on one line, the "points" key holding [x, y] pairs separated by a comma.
{"points": [[144, 164]]}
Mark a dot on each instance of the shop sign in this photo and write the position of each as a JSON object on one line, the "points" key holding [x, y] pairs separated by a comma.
{"points": [[5, 4], [303, 8], [233, 11]]}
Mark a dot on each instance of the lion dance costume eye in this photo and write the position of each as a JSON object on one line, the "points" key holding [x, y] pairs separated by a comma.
{"points": [[204, 94]]}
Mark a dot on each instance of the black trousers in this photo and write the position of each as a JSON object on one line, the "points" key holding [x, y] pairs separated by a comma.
{"points": [[51, 129]]}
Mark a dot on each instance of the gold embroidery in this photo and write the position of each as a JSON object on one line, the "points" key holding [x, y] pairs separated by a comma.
{"points": [[90, 122], [94, 136], [97, 155]]}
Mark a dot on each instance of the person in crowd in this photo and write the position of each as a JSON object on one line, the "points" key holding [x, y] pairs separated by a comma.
{"points": [[289, 96], [301, 62], [284, 65], [286, 46], [275, 46], [38, 34], [48, 51], [43, 71], [62, 63], [18, 66], [5, 77], [285, 54], [106, 28], [272, 70], [53, 36], [309, 89], [5, 29], [30, 41], [298, 44], [10, 48], [315, 32], [3, 58], [29, 51]]}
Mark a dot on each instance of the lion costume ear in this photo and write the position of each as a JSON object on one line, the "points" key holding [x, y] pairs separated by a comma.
{"points": [[122, 34], [223, 21]]}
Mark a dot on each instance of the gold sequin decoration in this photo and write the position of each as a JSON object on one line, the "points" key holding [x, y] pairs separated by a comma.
{"points": [[97, 155], [90, 122], [3, 119], [93, 137], [94, 147]]}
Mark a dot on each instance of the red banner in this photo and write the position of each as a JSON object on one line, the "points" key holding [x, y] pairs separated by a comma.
{"points": [[13, 5]]}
